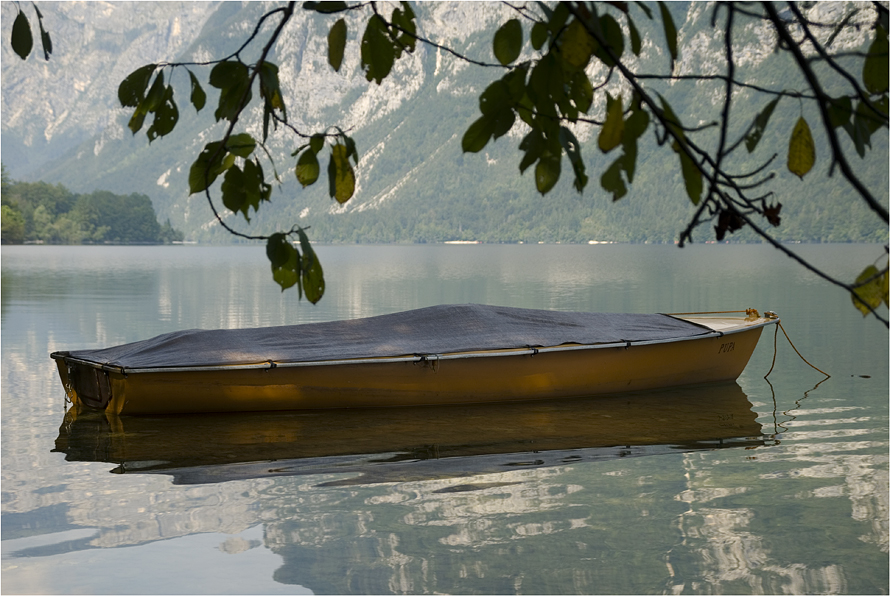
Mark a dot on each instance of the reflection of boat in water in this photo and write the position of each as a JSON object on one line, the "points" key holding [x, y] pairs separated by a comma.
{"points": [[398, 444], [440, 355]]}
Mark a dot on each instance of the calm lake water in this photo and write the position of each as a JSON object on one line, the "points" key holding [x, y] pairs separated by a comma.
{"points": [[793, 498]]}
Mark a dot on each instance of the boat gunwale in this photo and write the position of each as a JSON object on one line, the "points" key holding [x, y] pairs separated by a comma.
{"points": [[414, 358]]}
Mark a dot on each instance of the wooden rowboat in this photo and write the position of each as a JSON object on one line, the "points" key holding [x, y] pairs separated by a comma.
{"points": [[440, 355]]}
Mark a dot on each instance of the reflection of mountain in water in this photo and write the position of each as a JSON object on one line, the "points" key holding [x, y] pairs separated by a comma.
{"points": [[404, 444]]}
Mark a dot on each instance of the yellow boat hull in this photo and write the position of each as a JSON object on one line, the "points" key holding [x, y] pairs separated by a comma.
{"points": [[464, 378]]}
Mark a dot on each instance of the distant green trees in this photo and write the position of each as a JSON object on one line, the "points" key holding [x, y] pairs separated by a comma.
{"points": [[51, 214]]}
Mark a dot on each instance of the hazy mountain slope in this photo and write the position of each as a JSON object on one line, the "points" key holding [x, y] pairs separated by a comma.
{"points": [[414, 184]]}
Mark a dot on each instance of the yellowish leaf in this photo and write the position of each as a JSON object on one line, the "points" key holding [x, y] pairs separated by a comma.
{"points": [[577, 45], [869, 289], [343, 176], [801, 149], [613, 128]]}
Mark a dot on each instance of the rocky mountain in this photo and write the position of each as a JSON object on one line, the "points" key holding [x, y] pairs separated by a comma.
{"points": [[61, 122]]}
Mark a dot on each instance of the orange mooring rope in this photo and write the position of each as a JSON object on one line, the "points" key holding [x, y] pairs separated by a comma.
{"points": [[775, 349]]}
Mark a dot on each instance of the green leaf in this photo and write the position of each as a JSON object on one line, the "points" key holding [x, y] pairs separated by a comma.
{"points": [[270, 88], [495, 98], [325, 7], [340, 174], [760, 122], [612, 182], [234, 196], [839, 111], [307, 169], [577, 46], [45, 40], [478, 134], [670, 31], [869, 289], [508, 42], [312, 274], [875, 69], [692, 176], [634, 127], [166, 117], [581, 91], [642, 6], [636, 43], [337, 44], [613, 128], [534, 145], [198, 97], [671, 121], [241, 144], [801, 149], [131, 91], [614, 39], [232, 78], [539, 35], [316, 143], [547, 171], [284, 259], [211, 162], [378, 54], [256, 188], [22, 40], [573, 150], [156, 94]]}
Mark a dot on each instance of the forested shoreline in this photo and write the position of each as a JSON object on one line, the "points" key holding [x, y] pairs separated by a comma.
{"points": [[42, 213]]}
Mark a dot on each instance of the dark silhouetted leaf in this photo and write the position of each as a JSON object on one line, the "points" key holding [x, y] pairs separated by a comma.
{"points": [[839, 111], [875, 69], [478, 134], [337, 44], [232, 78], [539, 35], [198, 97], [234, 195], [760, 122], [612, 182], [508, 42], [692, 176], [212, 161], [636, 43], [284, 259], [312, 273], [547, 172], [670, 31], [22, 40], [325, 7], [573, 150], [45, 40], [378, 55], [166, 117], [131, 91]]}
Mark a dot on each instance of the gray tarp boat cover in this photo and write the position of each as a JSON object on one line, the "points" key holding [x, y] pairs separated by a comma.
{"points": [[432, 330]]}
